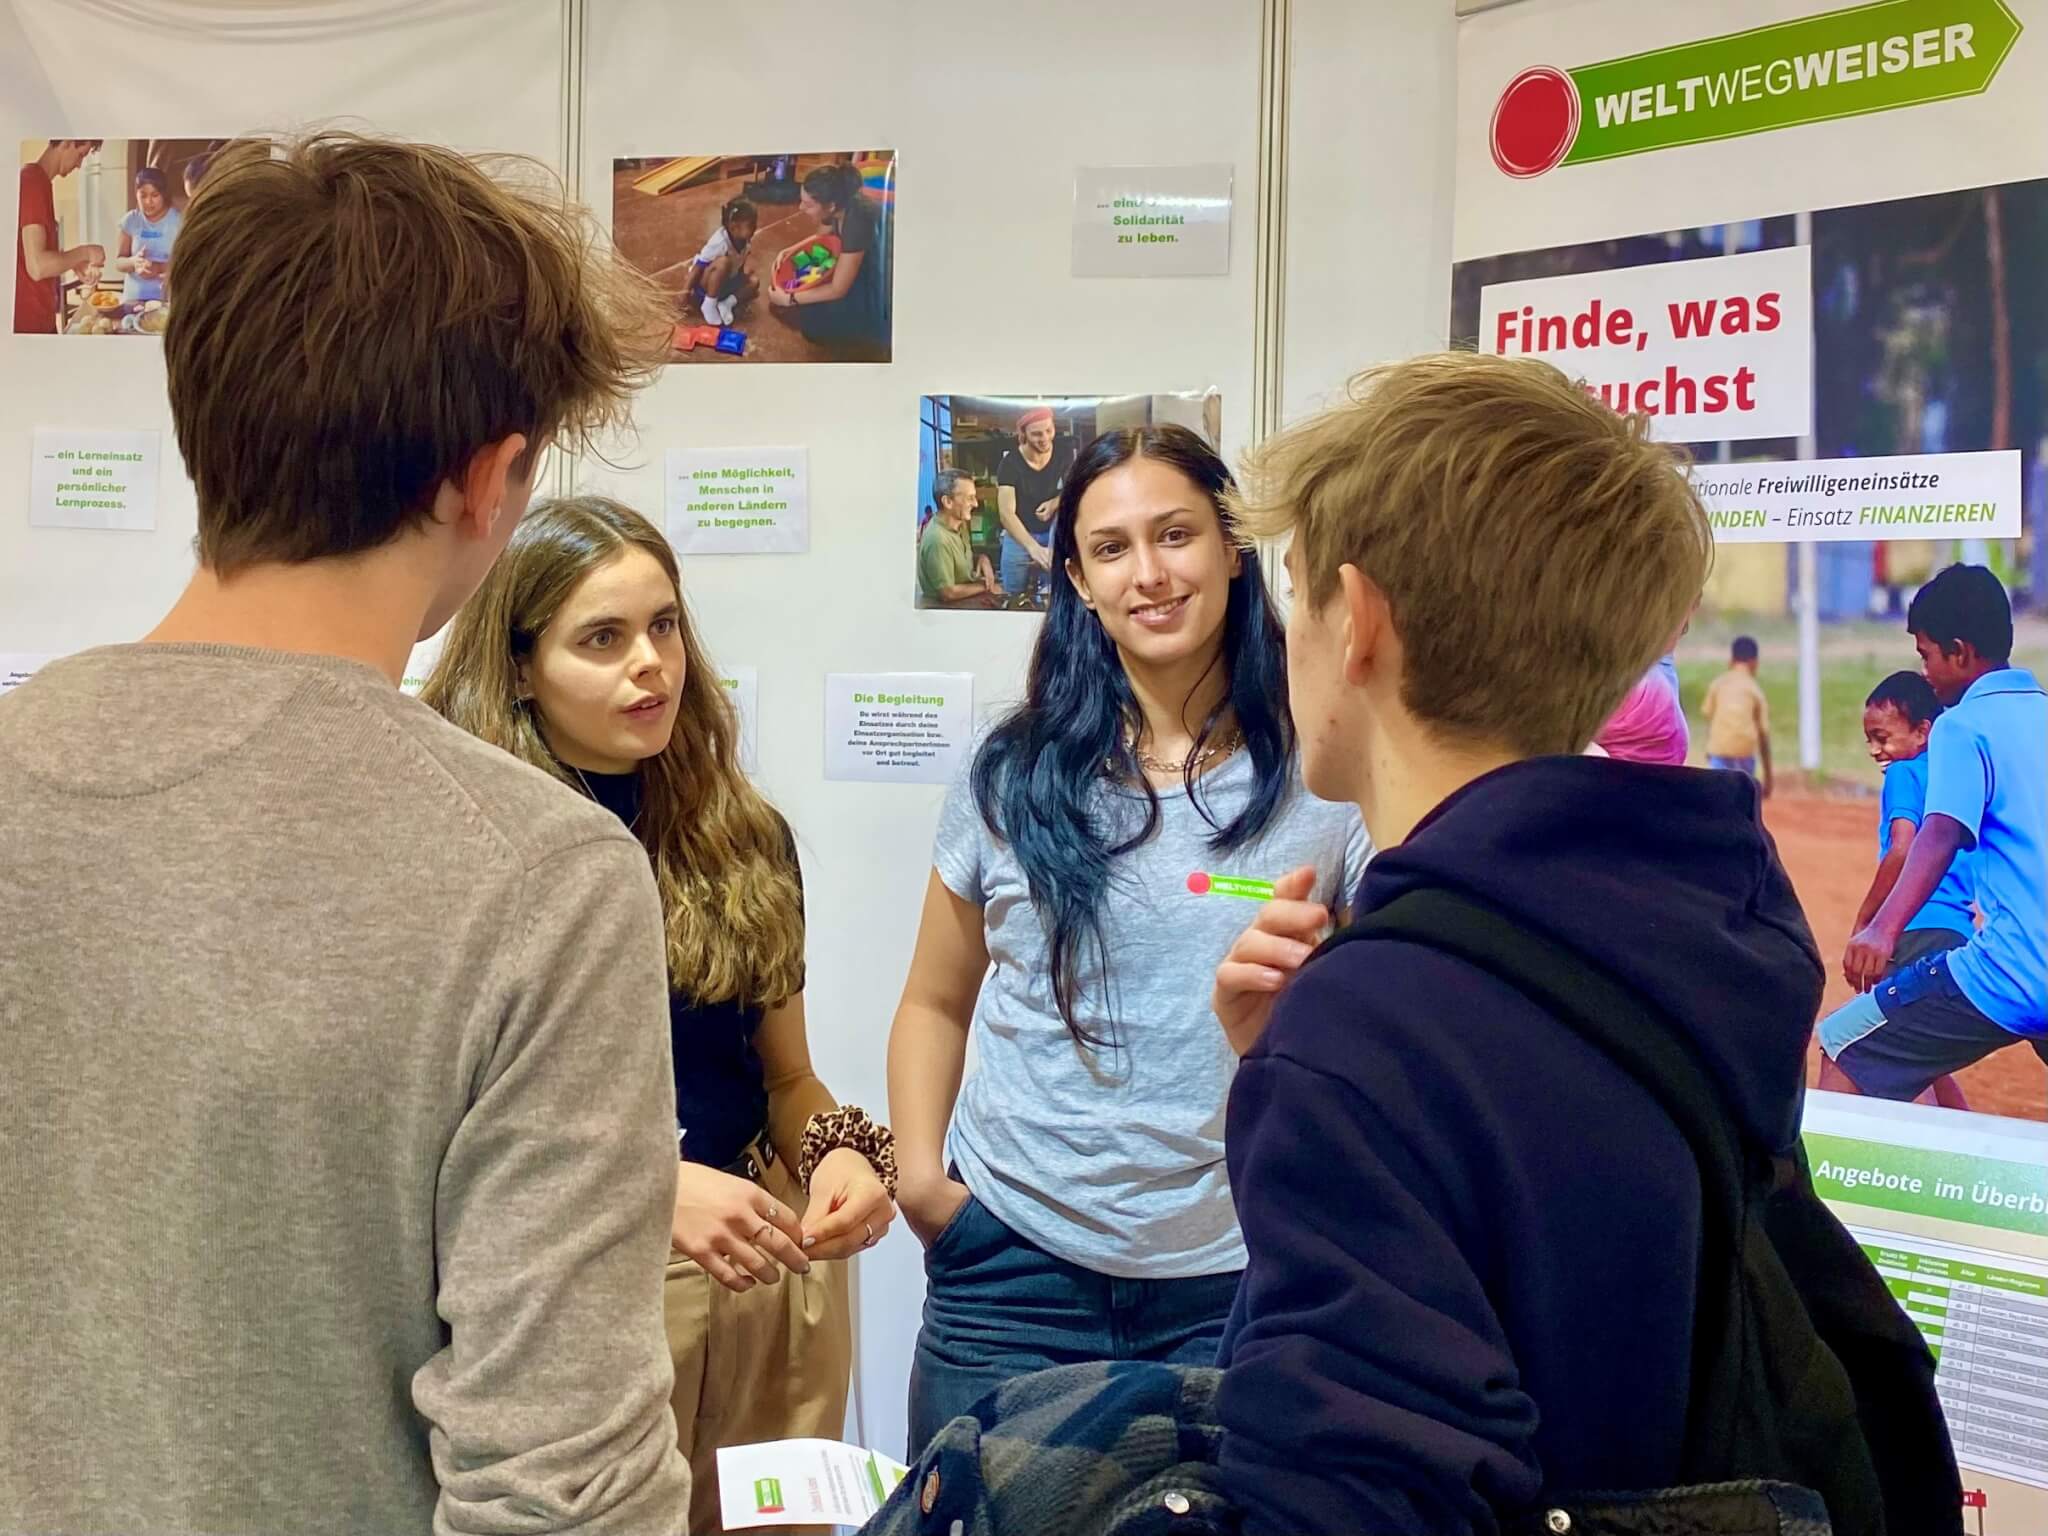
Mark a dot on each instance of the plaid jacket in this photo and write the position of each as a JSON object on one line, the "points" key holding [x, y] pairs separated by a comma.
{"points": [[1110, 1449], [1129, 1449]]}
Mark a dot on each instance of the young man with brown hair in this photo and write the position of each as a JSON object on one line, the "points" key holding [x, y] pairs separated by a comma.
{"points": [[334, 1080], [1474, 1237], [39, 261]]}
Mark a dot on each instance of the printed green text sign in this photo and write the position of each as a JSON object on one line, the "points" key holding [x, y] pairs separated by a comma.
{"points": [[1955, 1186]]}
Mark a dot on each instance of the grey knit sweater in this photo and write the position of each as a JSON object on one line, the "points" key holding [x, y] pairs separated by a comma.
{"points": [[337, 1128]]}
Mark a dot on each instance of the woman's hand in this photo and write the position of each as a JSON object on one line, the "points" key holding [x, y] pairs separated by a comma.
{"points": [[850, 1210], [779, 298], [738, 1232], [930, 1204]]}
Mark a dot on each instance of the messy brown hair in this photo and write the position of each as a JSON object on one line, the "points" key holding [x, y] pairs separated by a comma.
{"points": [[729, 892], [1537, 551], [354, 318]]}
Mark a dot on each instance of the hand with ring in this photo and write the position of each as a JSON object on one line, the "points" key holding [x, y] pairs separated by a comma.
{"points": [[850, 1209], [741, 1235]]}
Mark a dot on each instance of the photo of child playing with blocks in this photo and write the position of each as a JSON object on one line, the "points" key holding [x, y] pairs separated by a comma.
{"points": [[779, 258]]}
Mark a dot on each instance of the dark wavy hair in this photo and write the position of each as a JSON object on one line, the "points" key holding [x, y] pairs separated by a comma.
{"points": [[1038, 774], [836, 185]]}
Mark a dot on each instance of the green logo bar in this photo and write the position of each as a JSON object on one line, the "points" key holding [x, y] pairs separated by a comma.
{"points": [[1845, 63], [875, 1480], [1230, 885], [1983, 1191], [768, 1496]]}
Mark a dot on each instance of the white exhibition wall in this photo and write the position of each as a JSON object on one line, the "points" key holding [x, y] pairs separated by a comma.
{"points": [[990, 110], [441, 69], [1371, 134], [989, 121]]}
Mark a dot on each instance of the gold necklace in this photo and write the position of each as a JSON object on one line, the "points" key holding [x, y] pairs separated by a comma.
{"points": [[1200, 757]]}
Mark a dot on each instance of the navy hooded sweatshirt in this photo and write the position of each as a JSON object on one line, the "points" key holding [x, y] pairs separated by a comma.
{"points": [[1473, 1238]]}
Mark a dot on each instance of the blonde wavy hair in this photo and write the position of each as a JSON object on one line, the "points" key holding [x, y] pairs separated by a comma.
{"points": [[729, 891], [1537, 550]]}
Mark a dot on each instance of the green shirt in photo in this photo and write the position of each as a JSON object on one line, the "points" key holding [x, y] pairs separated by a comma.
{"points": [[944, 559]]}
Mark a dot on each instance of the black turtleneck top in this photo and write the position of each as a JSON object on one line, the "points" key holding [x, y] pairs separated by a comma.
{"points": [[721, 1096]]}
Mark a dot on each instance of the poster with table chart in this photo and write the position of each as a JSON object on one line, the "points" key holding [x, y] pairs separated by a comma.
{"points": [[1985, 1315]]}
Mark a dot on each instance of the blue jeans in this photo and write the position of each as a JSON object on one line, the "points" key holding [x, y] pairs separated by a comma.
{"points": [[1744, 765], [998, 1306], [1017, 567]]}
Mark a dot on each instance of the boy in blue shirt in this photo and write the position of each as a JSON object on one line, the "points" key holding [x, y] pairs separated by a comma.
{"points": [[1987, 792], [1897, 719]]}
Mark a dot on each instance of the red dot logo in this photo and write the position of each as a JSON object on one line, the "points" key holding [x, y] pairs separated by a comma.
{"points": [[1534, 122], [1198, 883]]}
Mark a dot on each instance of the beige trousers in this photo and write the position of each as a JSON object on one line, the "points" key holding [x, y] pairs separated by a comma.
{"points": [[770, 1363]]}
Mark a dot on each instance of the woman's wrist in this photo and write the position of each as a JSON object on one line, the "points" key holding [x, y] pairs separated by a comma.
{"points": [[849, 1127], [844, 1152], [698, 1178]]}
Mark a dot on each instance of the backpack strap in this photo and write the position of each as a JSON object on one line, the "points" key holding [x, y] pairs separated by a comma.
{"points": [[1606, 1014]]}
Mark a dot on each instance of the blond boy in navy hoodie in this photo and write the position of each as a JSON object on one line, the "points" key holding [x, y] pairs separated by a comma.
{"points": [[1473, 1237]]}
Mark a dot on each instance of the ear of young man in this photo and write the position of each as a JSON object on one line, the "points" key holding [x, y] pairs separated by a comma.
{"points": [[475, 511], [490, 482], [1367, 619]]}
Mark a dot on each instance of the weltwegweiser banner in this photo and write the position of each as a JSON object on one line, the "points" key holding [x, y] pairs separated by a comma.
{"points": [[1807, 242]]}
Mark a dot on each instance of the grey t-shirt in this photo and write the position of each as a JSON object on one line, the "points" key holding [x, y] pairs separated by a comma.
{"points": [[1113, 1158]]}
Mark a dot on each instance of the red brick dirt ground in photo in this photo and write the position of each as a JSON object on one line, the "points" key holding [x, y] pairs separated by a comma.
{"points": [[1829, 847]]}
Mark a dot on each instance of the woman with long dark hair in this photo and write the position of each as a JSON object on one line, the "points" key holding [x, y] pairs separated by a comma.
{"points": [[849, 313], [577, 656], [1093, 864]]}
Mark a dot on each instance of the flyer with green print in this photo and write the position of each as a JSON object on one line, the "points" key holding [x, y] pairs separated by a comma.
{"points": [[802, 1482]]}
